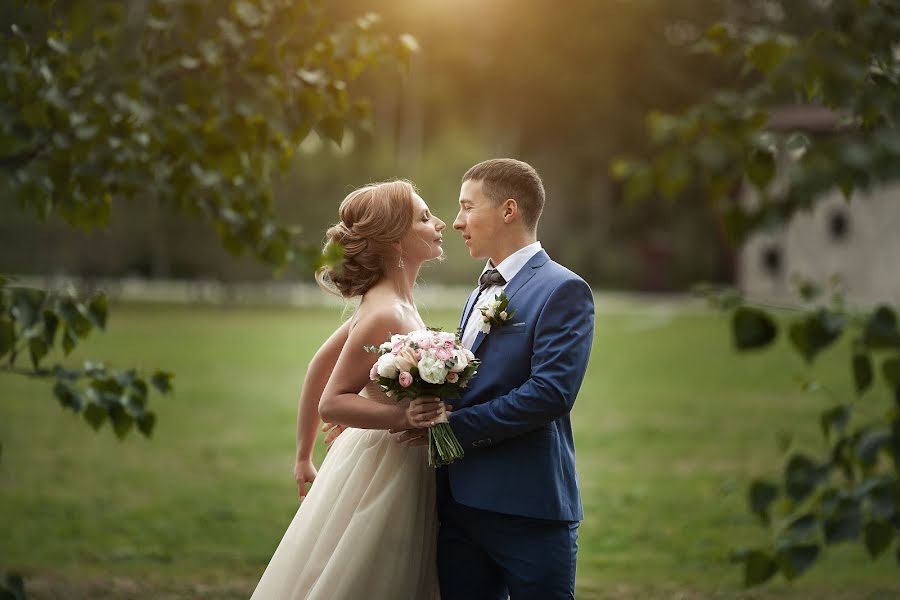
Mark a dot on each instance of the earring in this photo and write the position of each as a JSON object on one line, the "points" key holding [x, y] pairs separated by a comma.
{"points": [[400, 264]]}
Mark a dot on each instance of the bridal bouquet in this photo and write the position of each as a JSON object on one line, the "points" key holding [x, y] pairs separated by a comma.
{"points": [[426, 362]]}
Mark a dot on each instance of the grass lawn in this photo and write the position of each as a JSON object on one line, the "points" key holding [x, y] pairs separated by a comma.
{"points": [[670, 427]]}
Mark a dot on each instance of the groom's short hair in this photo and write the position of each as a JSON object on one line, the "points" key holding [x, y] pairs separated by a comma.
{"points": [[504, 178]]}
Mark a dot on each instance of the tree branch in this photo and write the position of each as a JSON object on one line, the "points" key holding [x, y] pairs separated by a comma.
{"points": [[21, 159]]}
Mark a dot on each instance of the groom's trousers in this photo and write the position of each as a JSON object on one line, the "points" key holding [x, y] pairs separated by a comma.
{"points": [[483, 555]]}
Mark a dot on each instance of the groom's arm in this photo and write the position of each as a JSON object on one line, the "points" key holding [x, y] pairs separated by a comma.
{"points": [[562, 347]]}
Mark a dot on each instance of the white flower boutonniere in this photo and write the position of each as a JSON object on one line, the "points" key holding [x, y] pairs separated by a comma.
{"points": [[496, 313]]}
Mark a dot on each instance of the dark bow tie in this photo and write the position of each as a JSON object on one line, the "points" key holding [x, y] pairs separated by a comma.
{"points": [[490, 278]]}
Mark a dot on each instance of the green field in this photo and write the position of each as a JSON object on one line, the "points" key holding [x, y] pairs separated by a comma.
{"points": [[670, 426]]}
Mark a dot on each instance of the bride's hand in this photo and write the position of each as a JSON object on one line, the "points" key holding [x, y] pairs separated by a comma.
{"points": [[304, 472], [333, 430], [416, 436], [424, 412]]}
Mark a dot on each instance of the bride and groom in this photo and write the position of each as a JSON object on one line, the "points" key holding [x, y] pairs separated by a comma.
{"points": [[378, 523]]}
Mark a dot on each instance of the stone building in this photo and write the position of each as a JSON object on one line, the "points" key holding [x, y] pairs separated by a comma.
{"points": [[856, 241]]}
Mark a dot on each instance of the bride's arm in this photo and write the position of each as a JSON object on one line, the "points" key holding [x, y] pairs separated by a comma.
{"points": [[320, 368], [341, 402]]}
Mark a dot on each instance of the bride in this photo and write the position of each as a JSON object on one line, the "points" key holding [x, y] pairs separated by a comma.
{"points": [[368, 526]]}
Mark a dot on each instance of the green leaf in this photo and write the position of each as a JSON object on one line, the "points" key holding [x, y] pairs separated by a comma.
{"points": [[162, 381], [762, 495], [869, 444], [760, 167], [69, 340], [98, 310], [815, 333], [793, 561], [51, 325], [845, 522], [68, 396], [146, 422], [122, 422], [862, 372], [38, 349], [95, 415], [878, 537], [758, 568], [7, 336], [881, 329], [802, 530], [809, 290], [880, 495], [332, 128], [802, 475], [621, 168], [248, 14], [76, 322], [752, 328], [767, 54], [26, 306], [57, 45], [835, 418]]}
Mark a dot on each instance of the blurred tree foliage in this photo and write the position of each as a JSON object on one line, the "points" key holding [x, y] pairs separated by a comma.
{"points": [[849, 64], [566, 90], [188, 106]]}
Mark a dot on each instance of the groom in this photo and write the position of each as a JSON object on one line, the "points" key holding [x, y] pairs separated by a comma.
{"points": [[510, 509]]}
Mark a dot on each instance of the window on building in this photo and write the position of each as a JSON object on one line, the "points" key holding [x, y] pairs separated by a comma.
{"points": [[838, 226], [771, 260]]}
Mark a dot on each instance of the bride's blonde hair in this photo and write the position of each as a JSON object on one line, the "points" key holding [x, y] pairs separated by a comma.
{"points": [[372, 219]]}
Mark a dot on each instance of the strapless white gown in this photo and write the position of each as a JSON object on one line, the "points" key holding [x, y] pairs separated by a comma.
{"points": [[366, 530]]}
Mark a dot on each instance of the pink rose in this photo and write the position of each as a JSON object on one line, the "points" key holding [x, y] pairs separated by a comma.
{"points": [[373, 374], [425, 343], [452, 377], [443, 354], [406, 379]]}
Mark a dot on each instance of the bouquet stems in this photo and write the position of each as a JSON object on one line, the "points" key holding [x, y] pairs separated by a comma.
{"points": [[443, 447]]}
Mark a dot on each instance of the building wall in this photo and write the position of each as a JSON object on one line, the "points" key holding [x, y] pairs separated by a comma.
{"points": [[858, 241]]}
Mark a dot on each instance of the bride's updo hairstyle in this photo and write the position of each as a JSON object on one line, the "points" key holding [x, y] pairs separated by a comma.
{"points": [[372, 219]]}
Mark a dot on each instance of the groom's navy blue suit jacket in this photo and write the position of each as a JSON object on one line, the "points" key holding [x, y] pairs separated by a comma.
{"points": [[513, 419]]}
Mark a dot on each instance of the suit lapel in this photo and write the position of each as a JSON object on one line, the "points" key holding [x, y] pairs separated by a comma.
{"points": [[468, 309], [512, 288]]}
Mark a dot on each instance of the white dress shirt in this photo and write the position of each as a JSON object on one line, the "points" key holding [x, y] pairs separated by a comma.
{"points": [[508, 268]]}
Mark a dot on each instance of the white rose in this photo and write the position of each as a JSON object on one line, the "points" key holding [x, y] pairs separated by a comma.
{"points": [[387, 366], [386, 347], [485, 327], [490, 312], [461, 361], [431, 369], [468, 354], [504, 315]]}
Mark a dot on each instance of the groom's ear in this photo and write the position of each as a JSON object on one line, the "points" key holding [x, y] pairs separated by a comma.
{"points": [[510, 210]]}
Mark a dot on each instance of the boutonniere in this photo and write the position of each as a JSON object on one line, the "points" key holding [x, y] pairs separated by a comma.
{"points": [[496, 313]]}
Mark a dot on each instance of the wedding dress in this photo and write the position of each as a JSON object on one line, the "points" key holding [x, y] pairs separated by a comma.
{"points": [[367, 528]]}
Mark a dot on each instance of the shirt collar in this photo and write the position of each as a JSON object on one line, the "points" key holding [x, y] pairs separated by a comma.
{"points": [[513, 263]]}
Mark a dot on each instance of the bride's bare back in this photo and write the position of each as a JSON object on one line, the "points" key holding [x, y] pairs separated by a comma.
{"points": [[381, 313]]}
